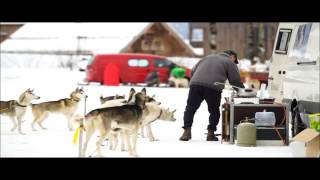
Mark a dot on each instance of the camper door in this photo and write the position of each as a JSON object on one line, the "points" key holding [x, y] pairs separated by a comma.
{"points": [[302, 78], [279, 60]]}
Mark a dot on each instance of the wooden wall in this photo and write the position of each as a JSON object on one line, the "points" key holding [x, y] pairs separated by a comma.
{"points": [[245, 38]]}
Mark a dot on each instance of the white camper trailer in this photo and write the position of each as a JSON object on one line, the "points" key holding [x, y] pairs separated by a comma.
{"points": [[295, 68]]}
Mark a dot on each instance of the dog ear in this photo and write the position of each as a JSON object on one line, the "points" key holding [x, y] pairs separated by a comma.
{"points": [[144, 91], [174, 111], [116, 96], [101, 96], [153, 96], [131, 93]]}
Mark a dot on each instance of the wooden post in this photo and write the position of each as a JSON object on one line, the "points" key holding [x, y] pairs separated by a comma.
{"points": [[80, 137], [81, 127]]}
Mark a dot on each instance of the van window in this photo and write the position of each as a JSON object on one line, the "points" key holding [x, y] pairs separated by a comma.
{"points": [[161, 63], [283, 41], [138, 62], [143, 63], [90, 60], [133, 62]]}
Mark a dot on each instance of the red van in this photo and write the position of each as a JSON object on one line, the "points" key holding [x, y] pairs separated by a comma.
{"points": [[132, 68]]}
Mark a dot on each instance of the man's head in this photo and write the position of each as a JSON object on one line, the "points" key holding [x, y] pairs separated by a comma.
{"points": [[232, 55]]}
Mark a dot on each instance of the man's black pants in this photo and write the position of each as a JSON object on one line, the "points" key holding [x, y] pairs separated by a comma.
{"points": [[196, 95]]}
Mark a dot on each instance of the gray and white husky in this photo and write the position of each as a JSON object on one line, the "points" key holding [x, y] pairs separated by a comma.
{"points": [[16, 110], [67, 107], [126, 117]]}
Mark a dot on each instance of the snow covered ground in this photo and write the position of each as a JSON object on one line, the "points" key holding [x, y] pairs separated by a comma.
{"points": [[54, 84]]}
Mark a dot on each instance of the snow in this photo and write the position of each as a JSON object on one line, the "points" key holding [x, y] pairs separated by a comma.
{"points": [[184, 61], [53, 84], [246, 66], [102, 37]]}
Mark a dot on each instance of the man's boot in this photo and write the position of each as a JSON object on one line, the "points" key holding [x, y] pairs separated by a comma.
{"points": [[211, 136], [186, 136]]}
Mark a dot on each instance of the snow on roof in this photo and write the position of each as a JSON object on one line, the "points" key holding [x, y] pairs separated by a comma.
{"points": [[101, 37], [197, 51]]}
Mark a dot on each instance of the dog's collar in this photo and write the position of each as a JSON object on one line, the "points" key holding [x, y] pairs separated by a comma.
{"points": [[158, 116], [21, 105], [76, 100]]}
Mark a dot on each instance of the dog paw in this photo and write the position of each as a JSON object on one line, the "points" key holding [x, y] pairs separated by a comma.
{"points": [[153, 139], [99, 155], [133, 154]]}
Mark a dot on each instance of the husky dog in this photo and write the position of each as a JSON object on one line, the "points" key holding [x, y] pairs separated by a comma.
{"points": [[109, 101], [113, 140], [151, 113], [109, 98], [149, 100], [126, 117], [67, 107], [15, 110]]}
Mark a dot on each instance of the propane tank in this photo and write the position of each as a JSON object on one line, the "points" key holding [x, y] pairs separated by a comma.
{"points": [[246, 133]]}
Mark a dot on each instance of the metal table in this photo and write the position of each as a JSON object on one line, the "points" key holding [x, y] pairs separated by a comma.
{"points": [[250, 109]]}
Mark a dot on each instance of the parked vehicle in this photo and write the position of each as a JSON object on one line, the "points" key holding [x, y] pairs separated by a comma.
{"points": [[295, 69], [132, 68]]}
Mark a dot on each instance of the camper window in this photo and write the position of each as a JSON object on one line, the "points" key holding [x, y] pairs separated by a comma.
{"points": [[301, 42], [283, 41]]}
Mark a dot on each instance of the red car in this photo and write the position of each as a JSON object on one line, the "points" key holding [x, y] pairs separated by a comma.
{"points": [[128, 68]]}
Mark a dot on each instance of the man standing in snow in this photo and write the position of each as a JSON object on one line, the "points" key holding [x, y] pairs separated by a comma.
{"points": [[211, 69]]}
